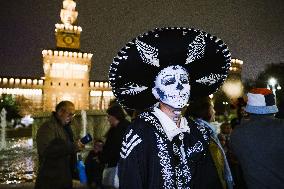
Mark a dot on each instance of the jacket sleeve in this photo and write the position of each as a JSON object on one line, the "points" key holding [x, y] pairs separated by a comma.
{"points": [[48, 145], [132, 167]]}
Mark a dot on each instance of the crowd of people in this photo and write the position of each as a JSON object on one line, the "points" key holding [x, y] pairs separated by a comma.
{"points": [[169, 141]]}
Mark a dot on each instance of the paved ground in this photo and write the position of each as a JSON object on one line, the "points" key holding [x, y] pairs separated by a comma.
{"points": [[30, 185]]}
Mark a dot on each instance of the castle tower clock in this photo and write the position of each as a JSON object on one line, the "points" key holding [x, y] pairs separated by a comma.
{"points": [[66, 35], [66, 68]]}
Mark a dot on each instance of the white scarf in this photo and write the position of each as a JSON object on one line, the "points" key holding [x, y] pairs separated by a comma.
{"points": [[169, 125]]}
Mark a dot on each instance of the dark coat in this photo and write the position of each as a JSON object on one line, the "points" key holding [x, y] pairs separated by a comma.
{"points": [[258, 145], [94, 170], [150, 160], [55, 150], [110, 154]]}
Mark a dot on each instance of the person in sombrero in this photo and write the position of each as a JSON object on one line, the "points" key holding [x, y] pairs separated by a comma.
{"points": [[159, 72]]}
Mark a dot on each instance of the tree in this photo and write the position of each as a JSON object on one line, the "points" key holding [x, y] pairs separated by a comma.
{"points": [[276, 71], [8, 102]]}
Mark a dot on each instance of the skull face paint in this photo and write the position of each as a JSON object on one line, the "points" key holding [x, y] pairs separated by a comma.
{"points": [[172, 86]]}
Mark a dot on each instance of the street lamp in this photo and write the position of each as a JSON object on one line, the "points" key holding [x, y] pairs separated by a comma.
{"points": [[273, 85]]}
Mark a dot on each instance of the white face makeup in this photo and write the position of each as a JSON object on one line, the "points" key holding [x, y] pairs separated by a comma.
{"points": [[172, 86]]}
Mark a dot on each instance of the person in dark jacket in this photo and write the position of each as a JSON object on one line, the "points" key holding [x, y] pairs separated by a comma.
{"points": [[258, 142], [118, 125], [56, 149], [94, 168], [215, 165]]}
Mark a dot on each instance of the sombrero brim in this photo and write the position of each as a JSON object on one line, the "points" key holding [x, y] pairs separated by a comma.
{"points": [[133, 71]]}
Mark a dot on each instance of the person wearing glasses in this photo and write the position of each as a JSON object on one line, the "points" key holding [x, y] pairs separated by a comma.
{"points": [[56, 149]]}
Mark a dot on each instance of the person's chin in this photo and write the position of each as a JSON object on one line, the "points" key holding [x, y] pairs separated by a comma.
{"points": [[67, 122]]}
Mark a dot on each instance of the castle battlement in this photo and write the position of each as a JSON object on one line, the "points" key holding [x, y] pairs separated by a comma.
{"points": [[24, 82], [236, 65], [67, 54], [68, 28]]}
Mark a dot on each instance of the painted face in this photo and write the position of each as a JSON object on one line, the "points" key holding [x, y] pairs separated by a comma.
{"points": [[172, 86]]}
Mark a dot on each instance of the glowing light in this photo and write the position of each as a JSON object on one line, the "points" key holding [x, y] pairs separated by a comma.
{"points": [[29, 81], [92, 84], [97, 84], [101, 84], [17, 91], [40, 82], [35, 81], [96, 93], [108, 93], [90, 55], [23, 81], [17, 81], [11, 80], [272, 81], [233, 88]]}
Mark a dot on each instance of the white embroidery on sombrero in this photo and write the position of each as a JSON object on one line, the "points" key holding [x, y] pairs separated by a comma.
{"points": [[148, 53], [211, 79], [132, 89], [196, 49]]}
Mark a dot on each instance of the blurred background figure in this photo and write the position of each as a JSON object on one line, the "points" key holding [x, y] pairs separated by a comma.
{"points": [[280, 113], [241, 113], [118, 125], [216, 168], [258, 142], [226, 130], [94, 168], [222, 140], [235, 123]]}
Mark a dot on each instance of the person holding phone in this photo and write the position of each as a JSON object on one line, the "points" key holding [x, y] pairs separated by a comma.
{"points": [[57, 149]]}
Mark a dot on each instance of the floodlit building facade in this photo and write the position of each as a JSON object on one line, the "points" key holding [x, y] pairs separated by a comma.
{"points": [[66, 72]]}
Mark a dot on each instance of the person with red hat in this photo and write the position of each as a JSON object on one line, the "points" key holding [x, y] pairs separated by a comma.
{"points": [[258, 142]]}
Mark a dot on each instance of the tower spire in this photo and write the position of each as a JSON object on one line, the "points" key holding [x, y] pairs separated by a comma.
{"points": [[68, 14], [66, 68], [67, 34]]}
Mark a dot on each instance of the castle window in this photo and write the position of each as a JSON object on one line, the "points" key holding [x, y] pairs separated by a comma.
{"points": [[82, 85], [59, 83], [51, 83], [74, 84], [67, 84]]}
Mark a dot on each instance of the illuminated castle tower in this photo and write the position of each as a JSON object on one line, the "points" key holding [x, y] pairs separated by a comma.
{"points": [[233, 86], [66, 69]]}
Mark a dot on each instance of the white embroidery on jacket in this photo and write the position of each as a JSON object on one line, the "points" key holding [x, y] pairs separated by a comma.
{"points": [[128, 145], [165, 162]]}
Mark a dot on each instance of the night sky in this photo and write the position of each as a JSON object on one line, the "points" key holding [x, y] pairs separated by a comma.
{"points": [[252, 29]]}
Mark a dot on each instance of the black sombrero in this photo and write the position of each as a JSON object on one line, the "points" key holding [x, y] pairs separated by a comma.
{"points": [[133, 71]]}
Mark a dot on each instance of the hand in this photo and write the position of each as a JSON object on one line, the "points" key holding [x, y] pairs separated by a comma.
{"points": [[80, 145]]}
